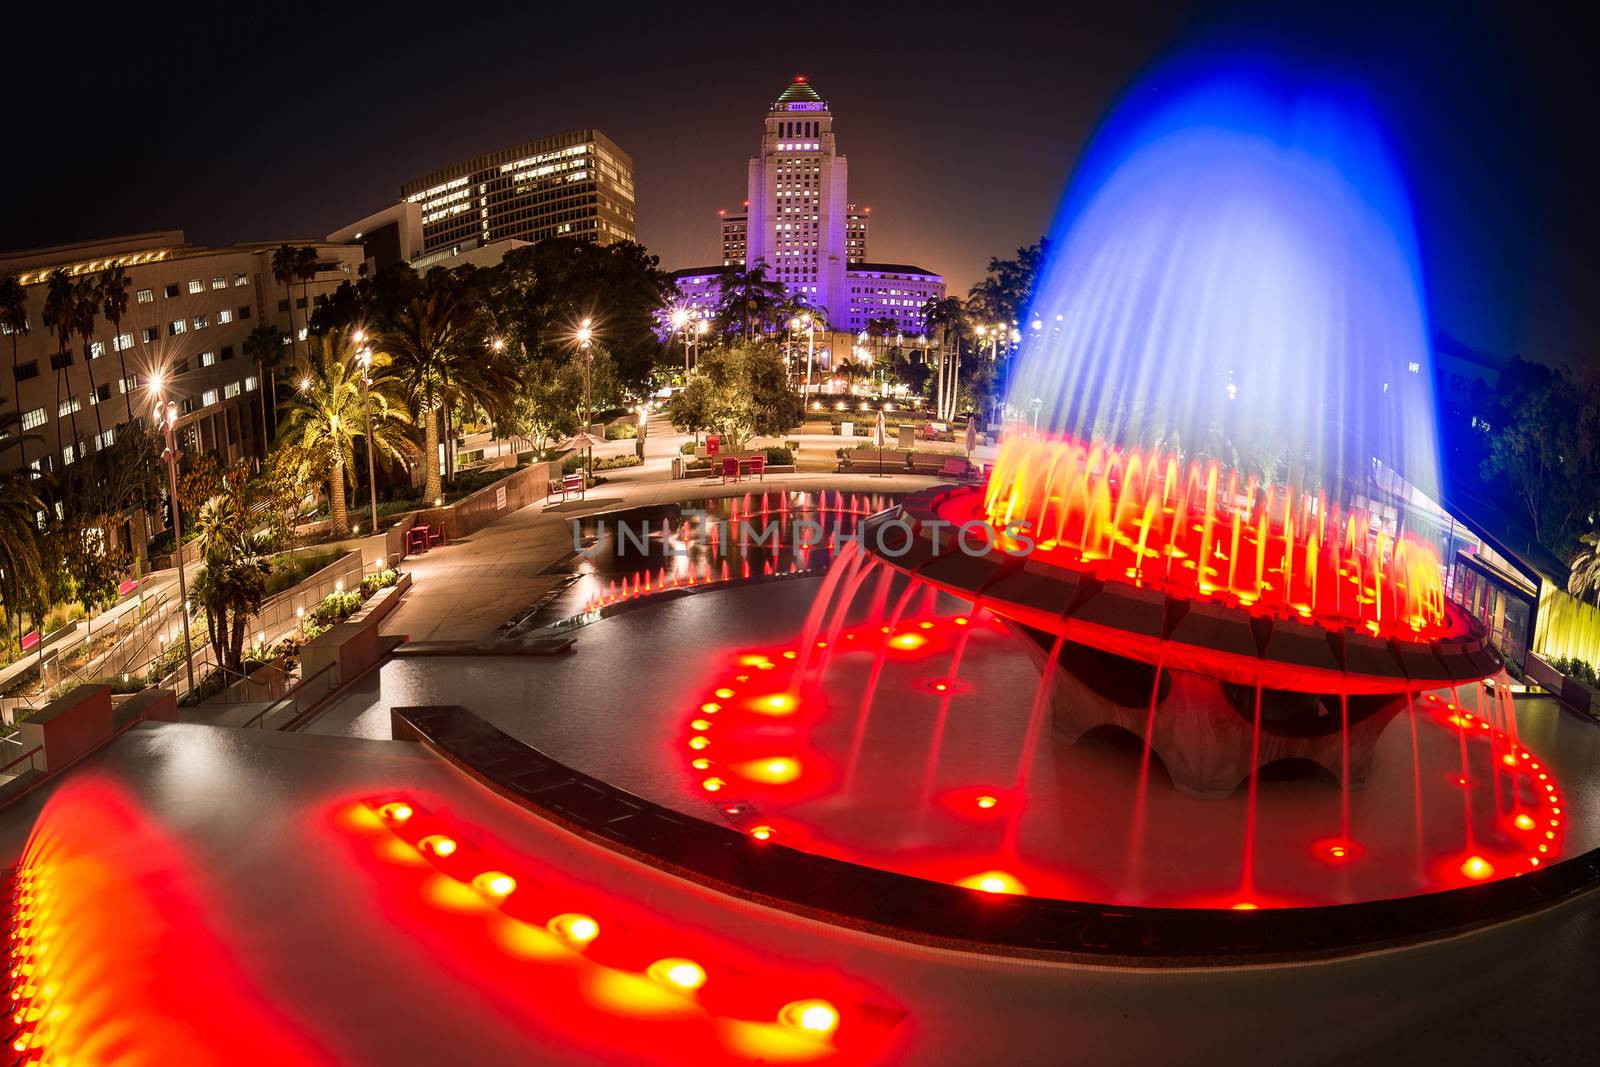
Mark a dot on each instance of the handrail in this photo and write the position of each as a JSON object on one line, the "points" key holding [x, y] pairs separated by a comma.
{"points": [[293, 696], [28, 755]]}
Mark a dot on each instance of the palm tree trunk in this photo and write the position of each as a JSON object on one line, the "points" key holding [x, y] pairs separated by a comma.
{"points": [[88, 365], [261, 394], [431, 490], [341, 518], [294, 336], [122, 364]]}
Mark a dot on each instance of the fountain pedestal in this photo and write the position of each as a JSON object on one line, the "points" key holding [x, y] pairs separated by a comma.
{"points": [[1202, 728]]}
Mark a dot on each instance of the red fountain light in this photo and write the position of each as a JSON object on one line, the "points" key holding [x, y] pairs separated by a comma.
{"points": [[1200, 531]]}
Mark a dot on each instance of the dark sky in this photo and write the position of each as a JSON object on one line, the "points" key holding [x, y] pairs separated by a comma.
{"points": [[275, 120]]}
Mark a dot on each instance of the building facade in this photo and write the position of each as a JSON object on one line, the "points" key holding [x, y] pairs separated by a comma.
{"points": [[799, 223], [189, 311], [577, 185]]}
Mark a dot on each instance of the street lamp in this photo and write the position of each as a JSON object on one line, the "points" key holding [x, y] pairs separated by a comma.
{"points": [[365, 359], [585, 336], [168, 413], [811, 347], [680, 319]]}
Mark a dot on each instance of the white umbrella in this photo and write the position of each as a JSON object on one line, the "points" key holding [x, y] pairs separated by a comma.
{"points": [[972, 434], [582, 440], [881, 430]]}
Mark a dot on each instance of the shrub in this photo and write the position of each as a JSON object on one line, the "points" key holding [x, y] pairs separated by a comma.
{"points": [[374, 582], [779, 457], [572, 464], [336, 607], [621, 431], [291, 570], [687, 448], [617, 463]]}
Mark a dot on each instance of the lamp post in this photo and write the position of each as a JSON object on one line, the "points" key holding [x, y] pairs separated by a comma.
{"points": [[811, 347], [168, 414], [585, 337], [701, 329], [680, 319], [365, 359]]}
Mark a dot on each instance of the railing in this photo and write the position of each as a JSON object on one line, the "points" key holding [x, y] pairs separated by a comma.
{"points": [[298, 701], [14, 776]]}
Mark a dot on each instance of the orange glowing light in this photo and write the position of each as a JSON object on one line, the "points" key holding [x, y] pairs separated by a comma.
{"points": [[710, 707], [496, 884], [816, 1017], [775, 703], [700, 724], [396, 812], [987, 802], [780, 770], [762, 833], [1523, 822], [684, 975], [701, 764], [697, 742], [724, 694], [711, 785], [1127, 514], [438, 844], [993, 882], [1477, 868], [907, 642], [574, 928]]}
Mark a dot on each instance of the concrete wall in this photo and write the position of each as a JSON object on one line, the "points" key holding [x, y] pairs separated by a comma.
{"points": [[69, 726], [473, 513]]}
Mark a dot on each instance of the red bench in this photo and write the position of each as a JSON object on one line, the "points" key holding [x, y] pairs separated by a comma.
{"points": [[755, 465]]}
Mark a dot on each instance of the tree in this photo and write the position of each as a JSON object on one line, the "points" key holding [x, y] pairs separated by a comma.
{"points": [[1544, 447], [233, 583], [60, 315], [946, 319], [739, 391], [288, 264], [264, 347], [113, 297], [440, 355], [14, 317], [22, 568], [747, 299], [324, 415], [87, 307], [1006, 295], [1583, 581]]}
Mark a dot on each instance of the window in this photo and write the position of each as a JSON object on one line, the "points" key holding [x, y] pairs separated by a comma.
{"points": [[250, 384], [230, 390], [219, 283], [1414, 367], [96, 349], [177, 326], [27, 370], [196, 286], [32, 420], [61, 361], [224, 316], [209, 398], [201, 322], [149, 333], [302, 333], [122, 342], [227, 352], [300, 303], [103, 440], [207, 358], [68, 457], [145, 296], [244, 312], [180, 367], [130, 383], [283, 305], [100, 394], [241, 279], [172, 290], [68, 406]]}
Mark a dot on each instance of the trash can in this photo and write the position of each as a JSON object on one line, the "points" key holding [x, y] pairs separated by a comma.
{"points": [[677, 467]]}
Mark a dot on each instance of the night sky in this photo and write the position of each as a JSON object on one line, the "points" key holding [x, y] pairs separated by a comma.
{"points": [[277, 120]]}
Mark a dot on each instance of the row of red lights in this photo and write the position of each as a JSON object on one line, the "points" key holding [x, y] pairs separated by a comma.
{"points": [[30, 986], [758, 688], [725, 992]]}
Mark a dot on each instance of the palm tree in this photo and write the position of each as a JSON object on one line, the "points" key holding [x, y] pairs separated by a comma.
{"points": [[286, 269], [439, 356], [748, 296], [113, 295], [14, 317], [22, 579], [1583, 581], [60, 314], [305, 269], [947, 318], [264, 346], [84, 312], [233, 583], [325, 415]]}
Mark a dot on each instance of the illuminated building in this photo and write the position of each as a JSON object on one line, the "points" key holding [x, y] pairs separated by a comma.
{"points": [[799, 222], [577, 185], [189, 311]]}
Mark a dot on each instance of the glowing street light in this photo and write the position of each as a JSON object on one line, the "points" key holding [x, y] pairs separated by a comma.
{"points": [[364, 357], [168, 414], [585, 335]]}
